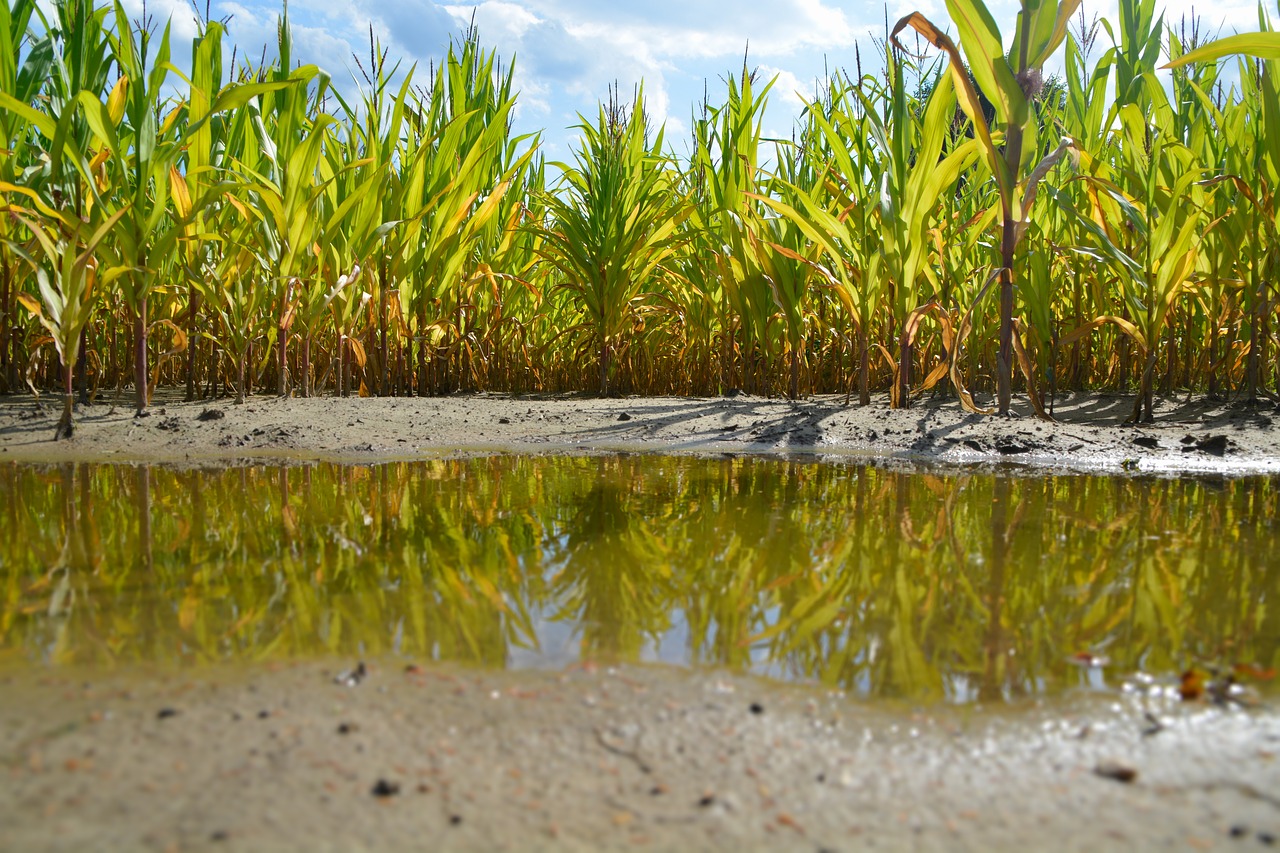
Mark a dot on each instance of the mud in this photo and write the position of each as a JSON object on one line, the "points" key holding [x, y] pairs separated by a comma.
{"points": [[1089, 432]]}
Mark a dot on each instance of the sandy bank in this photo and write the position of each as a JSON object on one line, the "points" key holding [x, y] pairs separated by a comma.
{"points": [[1195, 436]]}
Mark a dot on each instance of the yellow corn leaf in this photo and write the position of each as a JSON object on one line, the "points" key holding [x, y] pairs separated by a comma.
{"points": [[1124, 325], [357, 351], [178, 190], [115, 102], [170, 120], [26, 300]]}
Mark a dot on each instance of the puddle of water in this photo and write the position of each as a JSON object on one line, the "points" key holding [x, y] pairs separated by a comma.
{"points": [[929, 585]]}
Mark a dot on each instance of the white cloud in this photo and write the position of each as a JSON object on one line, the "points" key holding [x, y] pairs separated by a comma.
{"points": [[568, 52], [787, 87], [495, 18]]}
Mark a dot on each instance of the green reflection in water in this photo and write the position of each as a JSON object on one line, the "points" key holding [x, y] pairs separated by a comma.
{"points": [[923, 585]]}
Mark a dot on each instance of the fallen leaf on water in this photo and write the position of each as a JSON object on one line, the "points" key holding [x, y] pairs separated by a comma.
{"points": [[1254, 671], [1088, 660], [1191, 687]]}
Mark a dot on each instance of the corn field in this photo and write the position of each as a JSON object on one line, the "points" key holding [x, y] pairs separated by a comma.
{"points": [[953, 221]]}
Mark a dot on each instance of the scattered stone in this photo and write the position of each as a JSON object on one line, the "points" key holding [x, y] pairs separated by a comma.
{"points": [[383, 788], [346, 728], [624, 417], [455, 819], [352, 677], [1238, 831], [707, 801], [219, 835], [1116, 771], [756, 708], [504, 420], [211, 415], [166, 713], [974, 445], [1146, 441]]}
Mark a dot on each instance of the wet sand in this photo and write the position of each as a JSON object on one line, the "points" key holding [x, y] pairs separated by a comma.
{"points": [[1089, 433], [437, 757], [603, 758]]}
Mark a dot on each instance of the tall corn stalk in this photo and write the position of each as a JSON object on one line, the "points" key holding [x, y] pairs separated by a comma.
{"points": [[1009, 81], [612, 225]]}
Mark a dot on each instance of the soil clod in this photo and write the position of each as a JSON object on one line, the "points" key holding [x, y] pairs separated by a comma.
{"points": [[1215, 445]]}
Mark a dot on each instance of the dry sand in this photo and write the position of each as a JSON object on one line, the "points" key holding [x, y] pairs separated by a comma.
{"points": [[255, 757]]}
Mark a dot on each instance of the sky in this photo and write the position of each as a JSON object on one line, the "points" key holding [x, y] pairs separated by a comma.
{"points": [[568, 52]]}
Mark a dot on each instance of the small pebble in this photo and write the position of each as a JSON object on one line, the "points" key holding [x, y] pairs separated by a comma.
{"points": [[383, 788], [1117, 771], [166, 713], [756, 708]]}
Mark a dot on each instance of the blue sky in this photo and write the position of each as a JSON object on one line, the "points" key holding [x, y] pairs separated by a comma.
{"points": [[568, 51]]}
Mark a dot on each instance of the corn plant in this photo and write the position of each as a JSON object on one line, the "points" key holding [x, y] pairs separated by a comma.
{"points": [[1009, 82], [612, 225], [23, 70]]}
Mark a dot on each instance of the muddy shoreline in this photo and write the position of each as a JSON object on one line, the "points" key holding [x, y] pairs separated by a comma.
{"points": [[594, 757], [1089, 434]]}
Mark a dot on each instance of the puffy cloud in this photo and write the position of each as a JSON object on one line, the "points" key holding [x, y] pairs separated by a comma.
{"points": [[569, 51]]}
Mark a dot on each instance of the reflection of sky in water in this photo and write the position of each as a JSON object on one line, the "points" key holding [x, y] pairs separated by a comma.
{"points": [[944, 584]]}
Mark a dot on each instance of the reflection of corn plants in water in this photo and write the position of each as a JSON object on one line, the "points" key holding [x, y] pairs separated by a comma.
{"points": [[958, 585]]}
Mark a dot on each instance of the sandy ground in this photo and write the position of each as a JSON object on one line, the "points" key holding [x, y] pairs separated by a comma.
{"points": [[258, 757], [632, 758], [1088, 434]]}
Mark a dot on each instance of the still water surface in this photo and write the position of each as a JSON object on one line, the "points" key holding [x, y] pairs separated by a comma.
{"points": [[927, 585]]}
